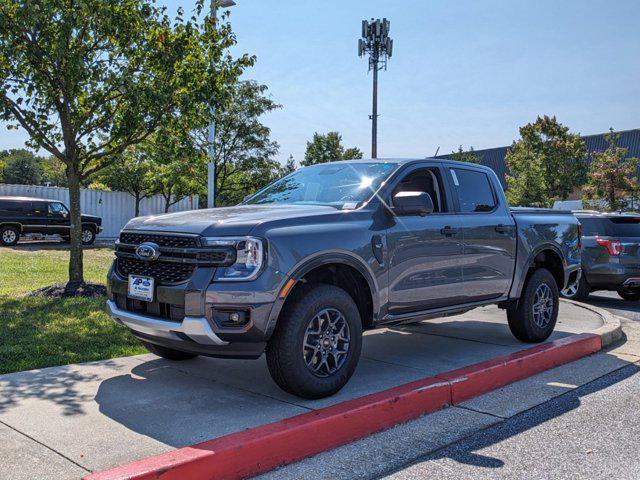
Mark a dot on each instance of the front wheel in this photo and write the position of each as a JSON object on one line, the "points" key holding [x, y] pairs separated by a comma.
{"points": [[88, 236], [534, 319], [629, 295], [316, 345]]}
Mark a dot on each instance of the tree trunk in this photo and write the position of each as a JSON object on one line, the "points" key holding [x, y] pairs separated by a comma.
{"points": [[138, 199], [167, 203], [75, 260]]}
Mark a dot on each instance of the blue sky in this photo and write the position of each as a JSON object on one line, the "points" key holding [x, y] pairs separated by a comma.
{"points": [[464, 72]]}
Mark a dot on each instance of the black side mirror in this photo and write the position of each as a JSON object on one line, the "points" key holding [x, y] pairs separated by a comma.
{"points": [[412, 203]]}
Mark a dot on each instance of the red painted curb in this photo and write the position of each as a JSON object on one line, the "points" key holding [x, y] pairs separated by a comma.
{"points": [[263, 448]]}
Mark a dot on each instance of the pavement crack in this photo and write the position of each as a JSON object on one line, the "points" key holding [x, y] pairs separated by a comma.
{"points": [[46, 446]]}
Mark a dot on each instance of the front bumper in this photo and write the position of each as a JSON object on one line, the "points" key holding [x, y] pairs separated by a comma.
{"points": [[195, 328]]}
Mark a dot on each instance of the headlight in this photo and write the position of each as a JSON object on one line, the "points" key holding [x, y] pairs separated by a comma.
{"points": [[250, 253]]}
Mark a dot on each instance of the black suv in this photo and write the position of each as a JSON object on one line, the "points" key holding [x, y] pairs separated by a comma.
{"points": [[23, 216], [610, 255]]}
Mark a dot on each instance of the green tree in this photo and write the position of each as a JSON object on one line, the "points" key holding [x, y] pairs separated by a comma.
{"points": [[465, 156], [88, 78], [22, 167], [244, 151], [288, 167], [547, 148], [328, 148], [131, 173], [55, 173], [612, 177]]}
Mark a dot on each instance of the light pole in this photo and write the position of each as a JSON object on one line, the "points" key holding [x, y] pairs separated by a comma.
{"points": [[376, 42], [211, 166]]}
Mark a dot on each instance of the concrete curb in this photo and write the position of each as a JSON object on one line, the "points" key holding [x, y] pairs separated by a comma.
{"points": [[611, 330], [257, 450]]}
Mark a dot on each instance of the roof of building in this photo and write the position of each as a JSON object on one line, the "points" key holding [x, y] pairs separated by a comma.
{"points": [[494, 157]]}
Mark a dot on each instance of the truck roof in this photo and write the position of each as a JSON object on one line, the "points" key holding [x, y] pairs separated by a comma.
{"points": [[28, 199]]}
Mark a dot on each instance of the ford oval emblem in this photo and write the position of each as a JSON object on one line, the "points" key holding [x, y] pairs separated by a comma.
{"points": [[148, 251]]}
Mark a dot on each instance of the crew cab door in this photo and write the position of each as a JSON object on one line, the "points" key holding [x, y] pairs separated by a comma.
{"points": [[59, 220], [488, 234], [424, 251]]}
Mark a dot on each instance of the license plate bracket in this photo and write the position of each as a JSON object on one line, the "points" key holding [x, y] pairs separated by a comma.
{"points": [[141, 288]]}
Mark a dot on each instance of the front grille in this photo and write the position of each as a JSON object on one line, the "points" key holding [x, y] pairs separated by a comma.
{"points": [[163, 272], [174, 241]]}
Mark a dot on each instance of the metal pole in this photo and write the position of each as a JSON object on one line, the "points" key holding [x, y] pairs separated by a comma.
{"points": [[211, 167], [374, 116]]}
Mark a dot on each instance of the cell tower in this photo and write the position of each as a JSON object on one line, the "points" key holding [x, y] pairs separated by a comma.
{"points": [[376, 42]]}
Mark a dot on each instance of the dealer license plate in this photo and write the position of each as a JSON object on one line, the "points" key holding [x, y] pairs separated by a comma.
{"points": [[141, 288]]}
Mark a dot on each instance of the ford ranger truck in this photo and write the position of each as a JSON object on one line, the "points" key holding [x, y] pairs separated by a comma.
{"points": [[301, 268]]}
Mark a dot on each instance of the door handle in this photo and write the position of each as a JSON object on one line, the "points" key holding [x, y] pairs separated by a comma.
{"points": [[504, 228], [448, 231]]}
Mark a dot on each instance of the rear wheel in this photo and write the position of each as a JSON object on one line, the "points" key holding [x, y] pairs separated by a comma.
{"points": [[9, 236], [629, 295], [534, 319], [316, 345], [577, 290], [168, 353]]}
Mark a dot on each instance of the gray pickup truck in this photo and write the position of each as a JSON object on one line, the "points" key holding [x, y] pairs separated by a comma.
{"points": [[302, 267]]}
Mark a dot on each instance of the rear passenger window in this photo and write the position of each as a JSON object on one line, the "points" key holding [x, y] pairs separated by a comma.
{"points": [[474, 190]]}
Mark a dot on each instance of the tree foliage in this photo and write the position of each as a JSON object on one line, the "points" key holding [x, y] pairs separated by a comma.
{"points": [[546, 164], [612, 177], [244, 152], [21, 167], [465, 156], [130, 173], [328, 148], [88, 78]]}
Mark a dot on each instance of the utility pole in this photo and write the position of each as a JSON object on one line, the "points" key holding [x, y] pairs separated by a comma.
{"points": [[211, 166], [376, 42]]}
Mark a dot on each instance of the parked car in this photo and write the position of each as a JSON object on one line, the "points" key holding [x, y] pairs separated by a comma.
{"points": [[610, 255], [29, 217], [302, 267]]}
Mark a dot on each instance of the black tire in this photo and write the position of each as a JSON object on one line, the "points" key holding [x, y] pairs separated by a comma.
{"points": [[286, 354], [579, 291], [9, 236], [168, 353], [629, 295], [88, 236], [524, 325]]}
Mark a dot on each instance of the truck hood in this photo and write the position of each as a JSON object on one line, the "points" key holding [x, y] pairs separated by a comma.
{"points": [[227, 221], [91, 219]]}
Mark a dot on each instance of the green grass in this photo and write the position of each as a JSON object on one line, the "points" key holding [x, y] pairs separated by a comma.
{"points": [[40, 332]]}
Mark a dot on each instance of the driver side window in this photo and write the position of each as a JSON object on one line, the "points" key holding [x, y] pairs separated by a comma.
{"points": [[424, 180], [57, 209]]}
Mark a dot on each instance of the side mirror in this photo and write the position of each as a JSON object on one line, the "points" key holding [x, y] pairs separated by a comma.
{"points": [[412, 203]]}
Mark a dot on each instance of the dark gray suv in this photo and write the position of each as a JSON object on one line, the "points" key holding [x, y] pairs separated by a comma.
{"points": [[610, 255]]}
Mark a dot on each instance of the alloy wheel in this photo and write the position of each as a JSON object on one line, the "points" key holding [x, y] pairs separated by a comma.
{"points": [[326, 342], [543, 306]]}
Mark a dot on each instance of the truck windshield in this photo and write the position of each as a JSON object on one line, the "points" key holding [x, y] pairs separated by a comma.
{"points": [[340, 185]]}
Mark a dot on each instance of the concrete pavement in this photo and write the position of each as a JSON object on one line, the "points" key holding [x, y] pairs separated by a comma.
{"points": [[98, 415]]}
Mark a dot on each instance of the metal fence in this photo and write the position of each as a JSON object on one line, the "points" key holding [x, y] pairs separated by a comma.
{"points": [[115, 208]]}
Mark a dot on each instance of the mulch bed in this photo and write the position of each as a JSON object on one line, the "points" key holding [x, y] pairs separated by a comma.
{"points": [[68, 289]]}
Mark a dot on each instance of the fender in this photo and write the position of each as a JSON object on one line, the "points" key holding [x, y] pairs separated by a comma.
{"points": [[317, 260], [516, 289]]}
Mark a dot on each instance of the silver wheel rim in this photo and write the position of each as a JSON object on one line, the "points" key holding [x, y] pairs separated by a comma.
{"points": [[571, 289], [8, 236], [543, 306], [326, 342], [86, 236]]}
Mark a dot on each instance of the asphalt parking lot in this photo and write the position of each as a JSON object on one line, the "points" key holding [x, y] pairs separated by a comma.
{"points": [[64, 422], [575, 421]]}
